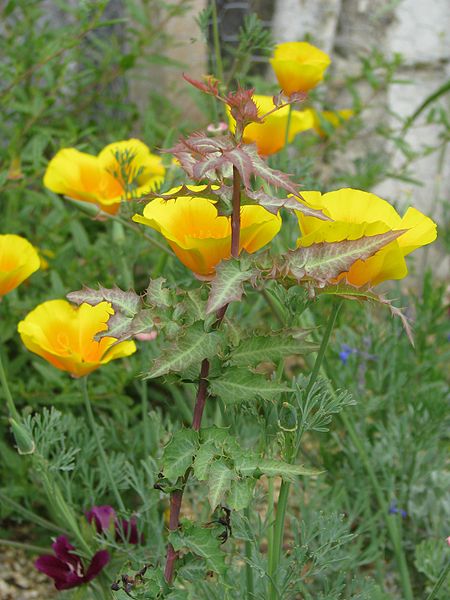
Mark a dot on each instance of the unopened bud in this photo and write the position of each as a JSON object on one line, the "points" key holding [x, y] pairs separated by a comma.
{"points": [[22, 436], [287, 417]]}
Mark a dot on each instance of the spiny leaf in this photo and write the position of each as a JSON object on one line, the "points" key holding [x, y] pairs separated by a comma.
{"points": [[124, 328], [249, 464], [273, 204], [324, 261], [241, 493], [227, 285], [203, 459], [209, 191], [239, 385], [179, 453], [219, 481], [190, 349], [365, 293], [273, 177], [157, 294], [261, 348], [202, 542], [127, 303]]}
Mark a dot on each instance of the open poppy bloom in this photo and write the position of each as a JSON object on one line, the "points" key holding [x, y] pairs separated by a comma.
{"points": [[123, 170], [356, 214], [18, 260], [66, 567], [64, 334], [105, 517], [199, 236], [270, 136], [299, 66]]}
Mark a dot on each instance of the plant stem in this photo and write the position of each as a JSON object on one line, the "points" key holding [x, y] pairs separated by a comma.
{"points": [[9, 399], [25, 547], [275, 551], [144, 416], [92, 423], [442, 577], [202, 394], [236, 216], [288, 126], [248, 566], [175, 508]]}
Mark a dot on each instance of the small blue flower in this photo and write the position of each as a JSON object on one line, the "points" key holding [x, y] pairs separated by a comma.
{"points": [[345, 353], [393, 510]]}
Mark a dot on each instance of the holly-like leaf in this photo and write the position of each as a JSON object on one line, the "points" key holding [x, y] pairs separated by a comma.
{"points": [[240, 385], [250, 465], [203, 459], [273, 204], [157, 294], [127, 303], [324, 261], [202, 542], [241, 493], [219, 481], [179, 453], [227, 285], [191, 348], [124, 328], [261, 348]]}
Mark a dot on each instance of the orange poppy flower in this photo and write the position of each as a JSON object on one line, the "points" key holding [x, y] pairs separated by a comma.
{"points": [[18, 260]]}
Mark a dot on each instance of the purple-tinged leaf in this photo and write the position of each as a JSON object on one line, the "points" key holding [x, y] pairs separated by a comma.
{"points": [[323, 262], [209, 86], [124, 328], [273, 204], [127, 303], [228, 284], [210, 191]]}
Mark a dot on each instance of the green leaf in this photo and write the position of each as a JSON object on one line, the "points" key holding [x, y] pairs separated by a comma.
{"points": [[123, 328], [239, 385], [271, 467], [241, 493], [203, 459], [324, 261], [179, 453], [157, 295], [202, 542], [227, 285], [190, 349], [273, 348], [127, 303], [219, 481]]}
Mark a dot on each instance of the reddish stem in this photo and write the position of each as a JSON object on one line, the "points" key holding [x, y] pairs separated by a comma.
{"points": [[175, 507], [202, 394], [236, 216]]}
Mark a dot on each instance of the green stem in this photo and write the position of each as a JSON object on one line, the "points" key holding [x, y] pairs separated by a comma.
{"points": [[437, 586], [288, 126], [248, 566], [98, 440], [144, 415], [25, 547], [216, 41], [9, 399], [28, 514], [275, 553]]}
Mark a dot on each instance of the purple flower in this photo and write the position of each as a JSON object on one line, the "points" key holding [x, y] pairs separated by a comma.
{"points": [[126, 531], [393, 510], [345, 353], [66, 568]]}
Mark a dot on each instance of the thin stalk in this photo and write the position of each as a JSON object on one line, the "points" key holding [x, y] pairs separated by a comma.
{"points": [[28, 514], [288, 126], [248, 567], [275, 554], [7, 392], [236, 217], [202, 395], [144, 416], [104, 459], [216, 42], [22, 546], [175, 508], [437, 586]]}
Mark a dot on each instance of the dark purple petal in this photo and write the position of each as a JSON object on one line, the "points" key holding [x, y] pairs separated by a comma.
{"points": [[63, 550], [99, 560], [127, 531], [102, 516], [61, 572]]}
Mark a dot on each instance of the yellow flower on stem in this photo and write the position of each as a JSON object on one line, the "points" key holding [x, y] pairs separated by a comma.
{"points": [[335, 117], [123, 170], [270, 136], [63, 334], [18, 260], [299, 66], [199, 236], [356, 214]]}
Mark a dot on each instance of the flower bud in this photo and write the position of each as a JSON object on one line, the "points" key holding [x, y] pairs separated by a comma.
{"points": [[22, 436]]}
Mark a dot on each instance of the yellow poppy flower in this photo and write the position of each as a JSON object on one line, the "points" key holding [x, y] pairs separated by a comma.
{"points": [[270, 136], [299, 66], [18, 260], [355, 214], [199, 236], [334, 117], [63, 334], [122, 170]]}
